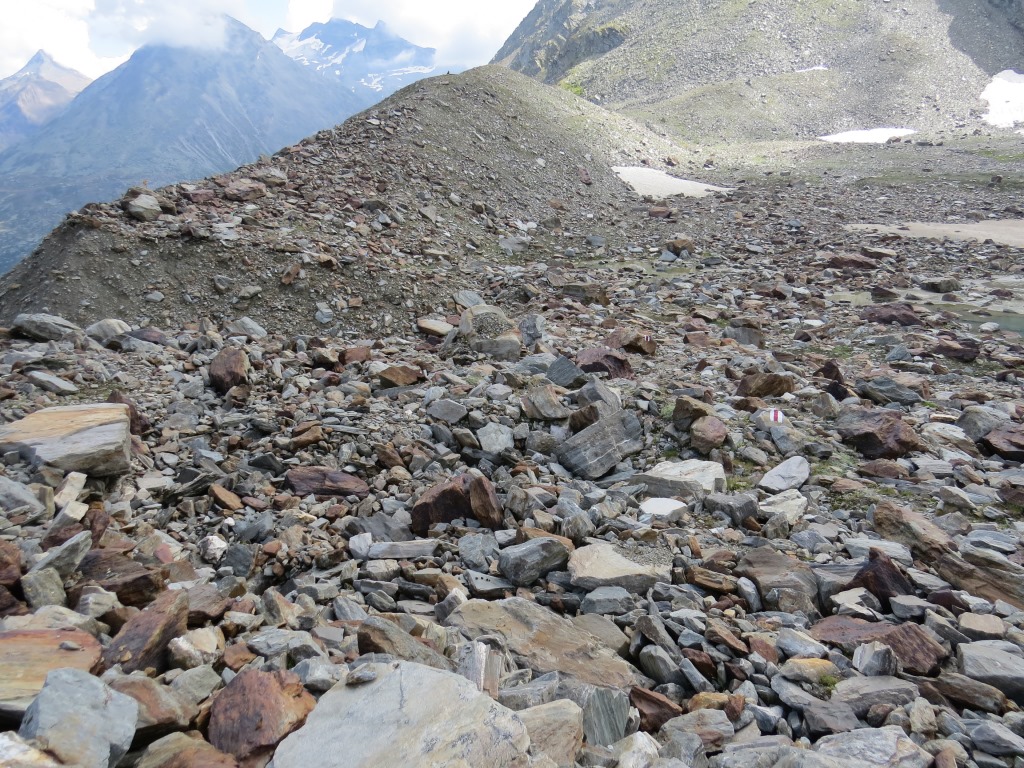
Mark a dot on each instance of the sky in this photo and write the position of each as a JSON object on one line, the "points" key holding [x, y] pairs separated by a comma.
{"points": [[94, 36]]}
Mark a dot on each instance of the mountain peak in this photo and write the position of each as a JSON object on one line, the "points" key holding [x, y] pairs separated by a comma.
{"points": [[44, 67]]}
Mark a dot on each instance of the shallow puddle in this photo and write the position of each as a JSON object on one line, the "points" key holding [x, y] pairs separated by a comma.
{"points": [[650, 181], [1006, 231]]}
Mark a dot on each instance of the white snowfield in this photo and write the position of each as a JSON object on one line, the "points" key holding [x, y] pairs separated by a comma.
{"points": [[1005, 97], [868, 136]]}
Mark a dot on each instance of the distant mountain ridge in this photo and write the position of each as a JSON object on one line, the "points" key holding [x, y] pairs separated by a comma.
{"points": [[371, 62], [773, 69], [35, 95], [173, 114]]}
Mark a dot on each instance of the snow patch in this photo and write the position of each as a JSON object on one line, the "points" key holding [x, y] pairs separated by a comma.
{"points": [[868, 136], [819, 68], [650, 181], [1005, 97]]}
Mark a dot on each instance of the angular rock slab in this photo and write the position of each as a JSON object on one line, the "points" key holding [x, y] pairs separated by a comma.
{"points": [[15, 752], [884, 747], [409, 715], [596, 450], [94, 439], [600, 565], [545, 642], [81, 720], [256, 711], [180, 751], [28, 656], [693, 478]]}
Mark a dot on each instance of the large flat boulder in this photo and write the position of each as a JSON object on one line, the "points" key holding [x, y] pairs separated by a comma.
{"points": [[545, 642], [594, 452], [601, 565], [27, 656], [689, 479], [408, 715], [93, 439]]}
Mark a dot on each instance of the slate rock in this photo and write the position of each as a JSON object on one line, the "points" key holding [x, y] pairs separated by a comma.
{"points": [[789, 475], [687, 479], [408, 715], [601, 565], [14, 496], [993, 666], [545, 642], [862, 693], [596, 450], [887, 747], [523, 564], [378, 635], [81, 720], [93, 439], [43, 327]]}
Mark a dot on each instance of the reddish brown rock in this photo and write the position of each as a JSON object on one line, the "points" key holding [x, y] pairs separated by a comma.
{"points": [[1007, 441], [881, 577], [161, 709], [605, 360], [655, 709], [205, 604], [707, 434], [10, 605], [851, 261], [181, 750], [631, 340], [485, 505], [255, 712], [964, 351], [139, 423], [883, 468], [442, 503], [10, 564], [399, 376], [321, 481], [27, 656], [688, 410], [134, 584], [878, 433], [245, 190], [229, 369], [886, 314], [766, 385], [918, 653], [142, 642]]}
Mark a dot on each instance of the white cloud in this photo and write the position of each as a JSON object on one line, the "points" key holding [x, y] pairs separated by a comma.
{"points": [[58, 26], [94, 36], [465, 32]]}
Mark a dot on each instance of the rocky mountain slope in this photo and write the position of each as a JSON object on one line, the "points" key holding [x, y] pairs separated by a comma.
{"points": [[441, 446], [317, 229], [35, 95], [371, 63], [774, 69]]}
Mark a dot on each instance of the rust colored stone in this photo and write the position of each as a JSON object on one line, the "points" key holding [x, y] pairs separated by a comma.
{"points": [[134, 584], [255, 712], [228, 369], [321, 481], [181, 750], [655, 709], [142, 642]]}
